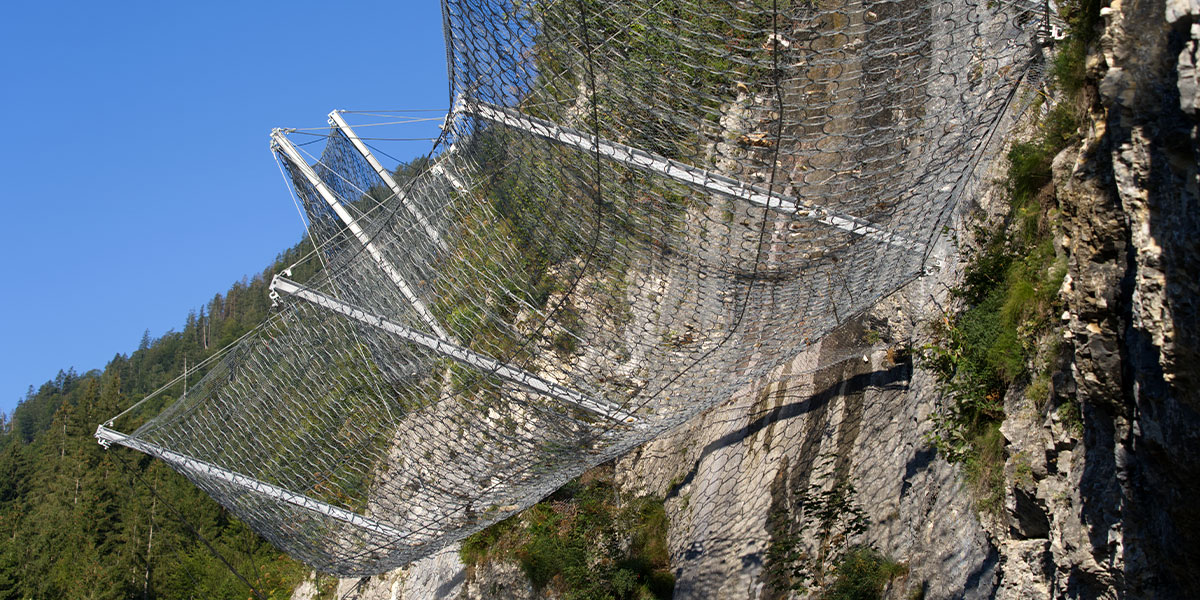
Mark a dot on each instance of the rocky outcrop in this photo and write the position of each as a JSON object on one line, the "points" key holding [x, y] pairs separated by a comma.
{"points": [[845, 412], [1132, 221], [1100, 504], [1101, 478], [441, 575]]}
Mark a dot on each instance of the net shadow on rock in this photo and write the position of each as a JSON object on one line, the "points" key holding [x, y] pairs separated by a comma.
{"points": [[787, 437]]}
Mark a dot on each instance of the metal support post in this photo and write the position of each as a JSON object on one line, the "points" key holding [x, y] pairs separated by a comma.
{"points": [[107, 436], [284, 146], [681, 172], [336, 120], [458, 353]]}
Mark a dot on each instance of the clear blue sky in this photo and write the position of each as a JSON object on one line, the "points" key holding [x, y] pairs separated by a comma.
{"points": [[137, 180]]}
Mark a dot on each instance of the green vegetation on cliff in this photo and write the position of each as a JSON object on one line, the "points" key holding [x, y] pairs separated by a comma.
{"points": [[585, 542], [1003, 334]]}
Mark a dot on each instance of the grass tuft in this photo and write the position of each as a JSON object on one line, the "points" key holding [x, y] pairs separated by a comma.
{"points": [[584, 542], [1009, 292], [862, 574]]}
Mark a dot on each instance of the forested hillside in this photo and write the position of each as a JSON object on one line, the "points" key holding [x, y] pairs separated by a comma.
{"points": [[77, 521]]}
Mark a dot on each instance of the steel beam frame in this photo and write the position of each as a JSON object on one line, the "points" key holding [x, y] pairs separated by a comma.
{"points": [[108, 436], [281, 144], [458, 353], [681, 172]]}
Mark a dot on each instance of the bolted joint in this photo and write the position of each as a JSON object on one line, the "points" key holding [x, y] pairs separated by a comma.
{"points": [[105, 442]]}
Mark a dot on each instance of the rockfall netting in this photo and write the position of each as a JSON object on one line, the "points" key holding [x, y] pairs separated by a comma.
{"points": [[635, 209]]}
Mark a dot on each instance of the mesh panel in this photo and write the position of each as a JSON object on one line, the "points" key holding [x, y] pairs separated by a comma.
{"points": [[643, 207]]}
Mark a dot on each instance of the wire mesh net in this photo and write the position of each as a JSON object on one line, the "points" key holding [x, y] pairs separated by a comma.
{"points": [[638, 207]]}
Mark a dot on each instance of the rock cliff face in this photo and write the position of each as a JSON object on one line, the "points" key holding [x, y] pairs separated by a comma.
{"points": [[1105, 508], [736, 479], [1132, 221]]}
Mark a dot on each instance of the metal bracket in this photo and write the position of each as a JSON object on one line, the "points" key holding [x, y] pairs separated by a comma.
{"points": [[104, 440]]}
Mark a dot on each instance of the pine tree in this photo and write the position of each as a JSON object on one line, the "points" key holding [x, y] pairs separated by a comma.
{"points": [[78, 521]]}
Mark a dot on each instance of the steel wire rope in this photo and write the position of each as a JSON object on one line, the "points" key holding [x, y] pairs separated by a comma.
{"points": [[327, 135], [441, 522], [392, 111], [968, 173], [227, 348], [408, 121], [597, 201], [218, 354]]}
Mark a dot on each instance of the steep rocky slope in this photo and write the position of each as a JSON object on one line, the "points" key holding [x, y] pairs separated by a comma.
{"points": [[832, 450], [1132, 221]]}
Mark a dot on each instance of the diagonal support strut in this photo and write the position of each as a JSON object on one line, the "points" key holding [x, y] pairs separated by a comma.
{"points": [[107, 436], [336, 120], [458, 353], [284, 146], [442, 167], [682, 172]]}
